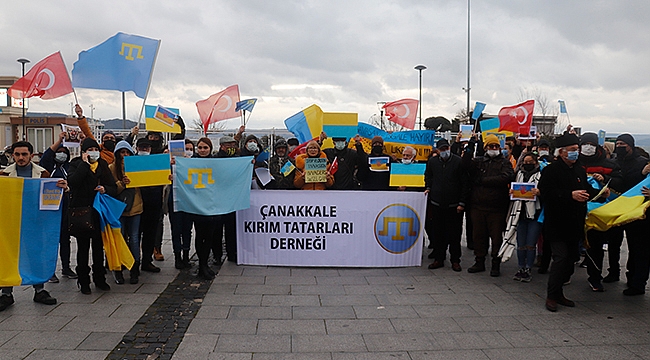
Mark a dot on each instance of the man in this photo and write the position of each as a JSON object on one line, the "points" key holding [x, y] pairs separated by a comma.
{"points": [[276, 162], [22, 153], [564, 191], [632, 167], [292, 143], [408, 155], [108, 137], [227, 222], [349, 161], [447, 190], [544, 152], [604, 171], [157, 147], [371, 177], [490, 177], [639, 265], [152, 204]]}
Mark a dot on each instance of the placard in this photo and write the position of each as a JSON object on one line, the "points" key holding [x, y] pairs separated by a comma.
{"points": [[50, 195], [177, 148], [466, 132], [315, 170], [379, 163], [165, 116], [522, 191], [72, 135], [411, 175]]}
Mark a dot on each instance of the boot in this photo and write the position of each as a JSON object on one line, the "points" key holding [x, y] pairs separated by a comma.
{"points": [[157, 254], [479, 266], [83, 279], [119, 278], [178, 261], [186, 259], [99, 278], [135, 273], [204, 270], [496, 267]]}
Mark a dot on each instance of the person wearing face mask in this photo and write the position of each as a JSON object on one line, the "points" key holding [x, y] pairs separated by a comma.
{"points": [[564, 191], [490, 177], [292, 144], [56, 160], [447, 190], [544, 153], [108, 137], [372, 179], [313, 151], [226, 224], [349, 161], [507, 153], [89, 174], [603, 171], [276, 162], [252, 147]]}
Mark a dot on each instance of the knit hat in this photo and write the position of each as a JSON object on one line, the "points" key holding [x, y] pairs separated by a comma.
{"points": [[143, 142], [87, 143], [567, 139], [589, 137], [491, 140], [123, 145], [226, 139], [441, 143], [378, 139], [543, 142], [280, 143], [626, 138], [293, 142]]}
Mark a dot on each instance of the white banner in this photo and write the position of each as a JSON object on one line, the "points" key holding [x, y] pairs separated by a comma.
{"points": [[332, 228]]}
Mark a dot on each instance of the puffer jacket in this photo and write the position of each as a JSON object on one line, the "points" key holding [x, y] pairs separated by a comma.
{"points": [[299, 179]]}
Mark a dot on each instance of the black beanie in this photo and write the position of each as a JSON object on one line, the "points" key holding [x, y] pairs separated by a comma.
{"points": [[589, 137], [88, 143], [626, 138]]}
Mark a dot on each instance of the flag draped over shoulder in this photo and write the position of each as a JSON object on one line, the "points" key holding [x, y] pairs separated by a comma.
{"points": [[628, 207], [219, 106], [29, 240], [212, 186], [47, 79], [117, 252], [123, 62], [402, 112]]}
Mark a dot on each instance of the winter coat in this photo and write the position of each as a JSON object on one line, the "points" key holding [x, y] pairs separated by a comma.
{"points": [[299, 179], [275, 167], [447, 182], [83, 181], [348, 162], [490, 179]]}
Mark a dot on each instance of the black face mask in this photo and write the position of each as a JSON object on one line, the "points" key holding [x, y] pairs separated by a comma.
{"points": [[620, 151], [109, 145], [377, 149], [528, 167]]}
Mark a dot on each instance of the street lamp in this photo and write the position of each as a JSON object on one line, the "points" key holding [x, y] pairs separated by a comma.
{"points": [[23, 62], [420, 68]]}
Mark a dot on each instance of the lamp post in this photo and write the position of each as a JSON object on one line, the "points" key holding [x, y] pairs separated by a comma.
{"points": [[23, 62], [380, 105], [420, 68]]}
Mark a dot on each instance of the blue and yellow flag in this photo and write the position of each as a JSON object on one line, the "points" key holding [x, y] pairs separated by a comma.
{"points": [[123, 62], [407, 175], [307, 124], [117, 252], [212, 186], [148, 170], [628, 207], [421, 140], [29, 239], [340, 125], [153, 124], [287, 168], [246, 105]]}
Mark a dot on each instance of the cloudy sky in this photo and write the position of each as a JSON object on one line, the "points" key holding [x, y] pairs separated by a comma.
{"points": [[349, 55]]}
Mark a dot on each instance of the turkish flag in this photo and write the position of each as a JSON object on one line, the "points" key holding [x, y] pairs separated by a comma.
{"points": [[47, 79], [220, 106], [335, 166], [517, 118], [402, 112]]}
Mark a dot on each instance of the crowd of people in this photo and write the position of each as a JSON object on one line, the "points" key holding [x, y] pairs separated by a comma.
{"points": [[468, 179]]}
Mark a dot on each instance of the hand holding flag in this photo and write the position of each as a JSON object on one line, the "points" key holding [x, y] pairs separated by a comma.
{"points": [[47, 79]]}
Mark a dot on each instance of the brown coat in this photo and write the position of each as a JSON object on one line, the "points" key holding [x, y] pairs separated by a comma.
{"points": [[136, 209], [299, 179]]}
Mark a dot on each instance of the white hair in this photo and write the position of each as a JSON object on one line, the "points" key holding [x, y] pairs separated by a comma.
{"points": [[410, 148]]}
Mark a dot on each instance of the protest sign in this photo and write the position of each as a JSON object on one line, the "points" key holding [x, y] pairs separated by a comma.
{"points": [[315, 170]]}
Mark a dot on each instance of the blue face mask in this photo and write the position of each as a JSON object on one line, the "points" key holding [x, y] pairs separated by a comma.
{"points": [[572, 155], [505, 153]]}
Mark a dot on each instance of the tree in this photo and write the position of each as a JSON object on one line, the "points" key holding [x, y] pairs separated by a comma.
{"points": [[543, 107], [387, 125], [438, 123], [218, 126]]}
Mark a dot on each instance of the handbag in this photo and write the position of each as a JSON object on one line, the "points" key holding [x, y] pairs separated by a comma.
{"points": [[80, 221], [128, 197]]}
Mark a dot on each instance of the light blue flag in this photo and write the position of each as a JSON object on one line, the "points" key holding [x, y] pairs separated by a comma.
{"points": [[246, 105], [123, 62], [562, 107], [212, 186], [478, 110]]}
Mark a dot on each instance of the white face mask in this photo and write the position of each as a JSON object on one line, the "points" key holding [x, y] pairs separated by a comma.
{"points": [[339, 145], [189, 153], [93, 156], [143, 153], [407, 161], [445, 154], [588, 150], [543, 153], [493, 153], [251, 146], [61, 157]]}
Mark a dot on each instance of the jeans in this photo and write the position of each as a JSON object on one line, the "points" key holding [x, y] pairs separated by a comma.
{"points": [[131, 232], [527, 233]]}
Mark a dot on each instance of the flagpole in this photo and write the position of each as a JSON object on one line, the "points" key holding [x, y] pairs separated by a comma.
{"points": [[123, 110], [75, 96], [153, 66]]}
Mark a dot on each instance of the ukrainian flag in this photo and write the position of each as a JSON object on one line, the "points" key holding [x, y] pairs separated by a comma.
{"points": [[407, 175], [148, 170], [117, 252], [29, 239], [153, 124], [628, 207], [306, 124], [340, 125]]}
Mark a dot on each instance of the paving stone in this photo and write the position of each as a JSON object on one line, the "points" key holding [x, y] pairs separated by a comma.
{"points": [[290, 280], [230, 356], [266, 271], [323, 312], [341, 280], [14, 354], [196, 346], [100, 341], [384, 280], [212, 299], [67, 355], [317, 272], [530, 353], [292, 356], [290, 300], [444, 310], [213, 312], [448, 354], [384, 312], [372, 356], [359, 326], [32, 339], [256, 312], [6, 335], [108, 324], [489, 323], [401, 299], [341, 300], [317, 289], [245, 289], [370, 289], [400, 342], [327, 343], [282, 327], [470, 340], [254, 343], [225, 279], [223, 326], [426, 325], [539, 338], [36, 323]]}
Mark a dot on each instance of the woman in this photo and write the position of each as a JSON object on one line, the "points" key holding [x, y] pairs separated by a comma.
{"points": [[204, 225], [181, 223], [528, 228], [313, 152], [88, 175], [130, 218]]}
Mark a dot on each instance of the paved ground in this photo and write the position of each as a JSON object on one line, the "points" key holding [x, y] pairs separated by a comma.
{"points": [[329, 313]]}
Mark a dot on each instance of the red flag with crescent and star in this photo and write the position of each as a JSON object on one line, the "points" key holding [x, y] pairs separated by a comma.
{"points": [[402, 112], [517, 118], [47, 79], [220, 106]]}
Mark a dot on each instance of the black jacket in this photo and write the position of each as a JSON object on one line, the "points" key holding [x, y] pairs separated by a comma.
{"points": [[600, 164], [280, 181], [83, 181], [446, 181], [631, 167], [489, 179], [348, 162], [374, 180]]}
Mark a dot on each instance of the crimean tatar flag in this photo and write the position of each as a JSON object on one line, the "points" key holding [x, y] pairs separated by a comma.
{"points": [[220, 106], [29, 240], [148, 170], [47, 79], [517, 118], [407, 175], [402, 112], [246, 105]]}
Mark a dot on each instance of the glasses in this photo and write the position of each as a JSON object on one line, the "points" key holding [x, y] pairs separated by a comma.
{"points": [[493, 146]]}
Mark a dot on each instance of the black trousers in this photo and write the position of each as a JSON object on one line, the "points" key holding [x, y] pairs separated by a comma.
{"points": [[204, 236], [228, 223], [150, 221], [595, 253], [487, 225], [638, 234], [565, 254], [84, 245], [447, 228]]}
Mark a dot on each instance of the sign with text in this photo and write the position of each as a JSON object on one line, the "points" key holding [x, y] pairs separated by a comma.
{"points": [[305, 228], [315, 170]]}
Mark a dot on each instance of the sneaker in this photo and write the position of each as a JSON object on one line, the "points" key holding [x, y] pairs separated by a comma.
{"points": [[54, 279], [44, 297], [518, 275], [69, 273], [526, 277], [6, 301], [119, 277], [596, 286]]}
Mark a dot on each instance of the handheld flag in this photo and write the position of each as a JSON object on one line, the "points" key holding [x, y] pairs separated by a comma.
{"points": [[123, 62], [478, 110], [340, 125], [47, 79], [335, 166], [402, 112], [219, 106], [117, 252], [407, 175], [287, 168], [307, 124], [517, 118], [628, 207], [562, 107], [154, 124], [148, 170], [246, 105]]}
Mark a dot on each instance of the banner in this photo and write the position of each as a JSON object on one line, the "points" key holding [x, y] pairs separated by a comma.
{"points": [[407, 175], [328, 228], [421, 140]]}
